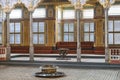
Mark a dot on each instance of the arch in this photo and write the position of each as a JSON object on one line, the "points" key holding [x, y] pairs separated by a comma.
{"points": [[19, 5]]}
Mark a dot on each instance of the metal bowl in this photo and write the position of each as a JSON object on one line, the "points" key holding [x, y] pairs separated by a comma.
{"points": [[48, 69]]}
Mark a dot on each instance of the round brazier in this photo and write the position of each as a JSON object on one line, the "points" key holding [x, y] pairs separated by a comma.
{"points": [[48, 69]]}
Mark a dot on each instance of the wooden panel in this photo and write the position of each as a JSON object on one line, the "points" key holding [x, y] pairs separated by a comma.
{"points": [[99, 25], [99, 50], [26, 33], [50, 33], [99, 33]]}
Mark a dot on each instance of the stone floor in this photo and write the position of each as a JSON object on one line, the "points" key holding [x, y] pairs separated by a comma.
{"points": [[27, 73]]}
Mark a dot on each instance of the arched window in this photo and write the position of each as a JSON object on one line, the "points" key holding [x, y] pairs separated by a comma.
{"points": [[88, 13], [15, 26], [114, 25], [114, 10], [68, 14], [16, 14], [88, 25], [39, 13], [39, 26]]}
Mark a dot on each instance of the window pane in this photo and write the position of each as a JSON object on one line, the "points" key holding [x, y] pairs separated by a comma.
{"points": [[0, 38], [35, 27], [11, 27], [71, 37], [86, 27], [68, 14], [16, 13], [88, 13], [17, 27], [86, 36], [39, 13], [0, 27], [1, 15], [92, 27], [65, 27], [110, 25], [71, 27], [66, 37], [114, 10], [41, 27], [59, 37], [117, 38], [17, 38], [12, 38], [110, 38], [69, 32], [59, 12], [117, 26], [35, 38], [0, 33], [41, 39], [42, 24], [91, 36]]}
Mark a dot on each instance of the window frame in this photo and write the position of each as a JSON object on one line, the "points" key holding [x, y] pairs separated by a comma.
{"points": [[113, 32], [15, 33], [69, 32], [38, 33], [89, 31]]}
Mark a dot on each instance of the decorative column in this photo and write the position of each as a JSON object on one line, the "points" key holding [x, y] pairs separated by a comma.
{"points": [[7, 10], [78, 36], [78, 4], [106, 36], [8, 37], [106, 4], [30, 5], [31, 49]]}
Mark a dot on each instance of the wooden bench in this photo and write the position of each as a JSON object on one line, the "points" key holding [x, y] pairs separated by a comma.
{"points": [[43, 49], [19, 49], [87, 47]]}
